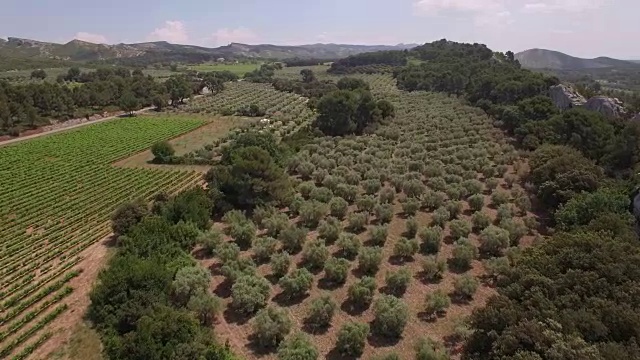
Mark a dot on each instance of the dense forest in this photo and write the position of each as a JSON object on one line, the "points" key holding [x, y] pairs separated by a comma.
{"points": [[576, 295]]}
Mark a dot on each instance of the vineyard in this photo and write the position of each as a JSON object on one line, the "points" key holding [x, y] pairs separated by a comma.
{"points": [[285, 113], [391, 237], [58, 193]]}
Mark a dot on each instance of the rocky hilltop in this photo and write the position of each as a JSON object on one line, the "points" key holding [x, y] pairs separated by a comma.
{"points": [[566, 97]]}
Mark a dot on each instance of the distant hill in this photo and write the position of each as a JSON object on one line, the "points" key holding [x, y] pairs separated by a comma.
{"points": [[555, 60], [77, 50]]}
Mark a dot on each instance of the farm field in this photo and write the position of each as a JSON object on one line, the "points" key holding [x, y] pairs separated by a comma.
{"points": [[213, 128], [405, 221], [239, 69], [58, 193], [293, 72]]}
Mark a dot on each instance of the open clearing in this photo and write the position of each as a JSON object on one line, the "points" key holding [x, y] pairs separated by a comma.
{"points": [[435, 155], [213, 127], [239, 69], [58, 194]]}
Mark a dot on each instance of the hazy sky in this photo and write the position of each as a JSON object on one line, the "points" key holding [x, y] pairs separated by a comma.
{"points": [[585, 28]]}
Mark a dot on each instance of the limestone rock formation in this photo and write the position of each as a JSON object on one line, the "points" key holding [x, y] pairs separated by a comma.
{"points": [[609, 107], [565, 97], [636, 117]]}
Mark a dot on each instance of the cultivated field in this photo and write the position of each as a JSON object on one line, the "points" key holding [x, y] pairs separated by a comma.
{"points": [[56, 197], [239, 69], [427, 197]]}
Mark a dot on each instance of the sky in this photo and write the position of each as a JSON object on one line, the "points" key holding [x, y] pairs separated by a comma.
{"points": [[585, 28]]}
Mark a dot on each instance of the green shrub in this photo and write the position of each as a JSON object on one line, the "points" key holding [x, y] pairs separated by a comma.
{"points": [[436, 303], [315, 254], [492, 183], [405, 248], [250, 293], [336, 270], [210, 241], [295, 204], [386, 196], [440, 217], [297, 347], [411, 228], [351, 339], [384, 213], [476, 202], [523, 203], [497, 267], [460, 228], [378, 235], [361, 293], [305, 189], [321, 194], [261, 213], [243, 233], [366, 203], [481, 220], [371, 186], [292, 238], [228, 252], [347, 192], [410, 206], [263, 248], [465, 287], [296, 284], [499, 197], [233, 270], [431, 200], [516, 229], [473, 186], [369, 260], [413, 188], [454, 208], [390, 316], [433, 268], [493, 241], [427, 349], [276, 223], [464, 252], [349, 245], [312, 212], [280, 264], [338, 207], [431, 239], [321, 312], [329, 230], [505, 212], [357, 222], [270, 326], [398, 281]]}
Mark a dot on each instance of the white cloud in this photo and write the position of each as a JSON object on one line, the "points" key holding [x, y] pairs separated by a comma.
{"points": [[564, 5], [238, 35], [484, 12], [92, 38], [173, 31]]}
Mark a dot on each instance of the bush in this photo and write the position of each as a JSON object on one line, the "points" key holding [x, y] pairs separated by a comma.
{"points": [[465, 287], [361, 293], [296, 284], [390, 316], [338, 207], [433, 268], [371, 186], [235, 269], [473, 186], [210, 241], [243, 233], [476, 202], [405, 248], [431, 200], [497, 267], [270, 326], [413, 188], [349, 245], [228, 252], [493, 241], [357, 222], [336, 270], [460, 228], [516, 229], [411, 228], [386, 196], [263, 248], [128, 215], [351, 339], [440, 217], [162, 152], [384, 213], [250, 293], [464, 252], [275, 224], [347, 192], [369, 260], [366, 203], [280, 264], [505, 211], [410, 206], [481, 220], [321, 312], [321, 194], [378, 235], [315, 254], [431, 239], [398, 281], [454, 208], [312, 212], [329, 230], [293, 238], [499, 197], [297, 347], [427, 349], [436, 303], [261, 213]]}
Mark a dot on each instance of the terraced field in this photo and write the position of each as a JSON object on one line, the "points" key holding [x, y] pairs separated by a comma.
{"points": [[56, 196]]}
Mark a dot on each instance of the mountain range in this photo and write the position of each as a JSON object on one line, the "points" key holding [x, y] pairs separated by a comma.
{"points": [[77, 50], [555, 60]]}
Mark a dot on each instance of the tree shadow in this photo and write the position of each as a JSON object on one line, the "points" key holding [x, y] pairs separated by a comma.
{"points": [[399, 293], [334, 354], [456, 269], [201, 254], [258, 349], [312, 329], [235, 317], [400, 260], [326, 284], [378, 341], [422, 277], [284, 300], [272, 278], [352, 308], [223, 290], [110, 241], [459, 299]]}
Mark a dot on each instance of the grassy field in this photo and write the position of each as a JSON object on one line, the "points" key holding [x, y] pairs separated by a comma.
{"points": [[419, 196], [239, 69], [58, 193]]}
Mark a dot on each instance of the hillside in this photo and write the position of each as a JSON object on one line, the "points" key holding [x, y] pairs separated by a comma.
{"points": [[77, 50], [555, 60]]}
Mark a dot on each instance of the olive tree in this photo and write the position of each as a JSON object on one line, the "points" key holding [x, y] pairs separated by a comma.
{"points": [[351, 338], [270, 326], [390, 316]]}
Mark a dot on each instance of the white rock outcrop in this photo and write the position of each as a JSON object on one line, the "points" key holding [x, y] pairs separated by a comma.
{"points": [[609, 107], [565, 97]]}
